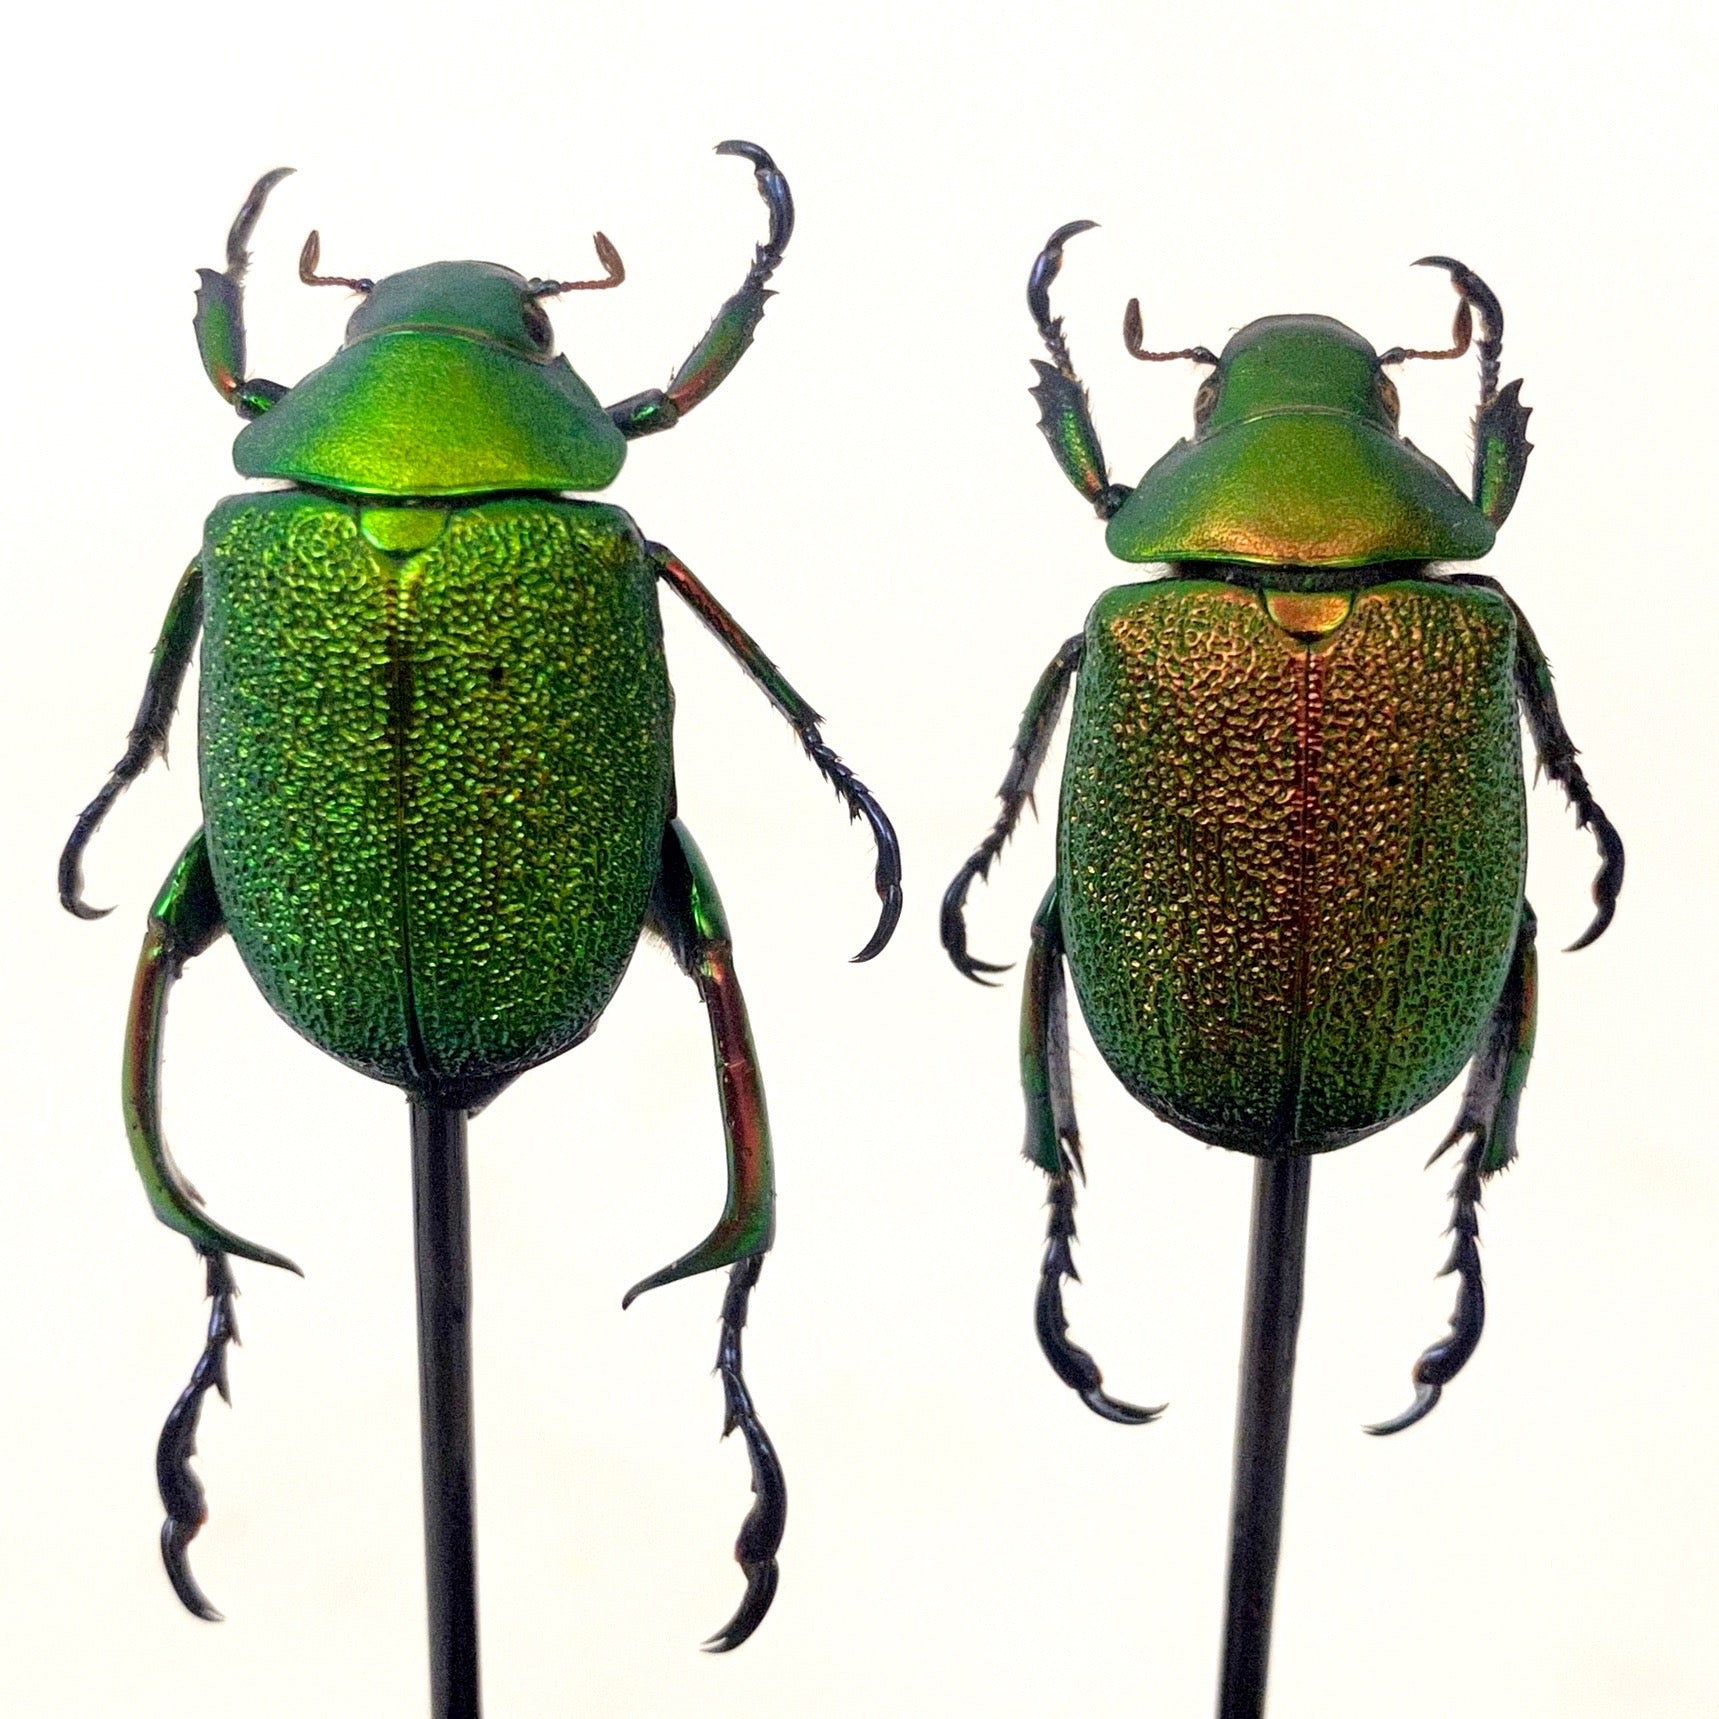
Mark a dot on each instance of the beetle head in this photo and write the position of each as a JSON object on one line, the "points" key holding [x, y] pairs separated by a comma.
{"points": [[1295, 364], [481, 301], [478, 301], [1295, 460], [447, 384]]}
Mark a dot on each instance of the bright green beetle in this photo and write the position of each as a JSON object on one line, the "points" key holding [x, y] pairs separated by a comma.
{"points": [[435, 747], [1291, 847]]}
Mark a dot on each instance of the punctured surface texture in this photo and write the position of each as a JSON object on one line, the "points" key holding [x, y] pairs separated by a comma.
{"points": [[434, 782], [1291, 873]]}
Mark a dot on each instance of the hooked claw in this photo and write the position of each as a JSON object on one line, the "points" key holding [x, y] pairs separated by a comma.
{"points": [[1608, 885], [954, 929], [245, 222], [71, 871], [761, 1533], [761, 158], [1074, 1365], [886, 920], [860, 803], [1426, 1400], [1071, 1363], [778, 199], [760, 1591], [953, 921], [1443, 1360], [181, 1491], [1046, 267]]}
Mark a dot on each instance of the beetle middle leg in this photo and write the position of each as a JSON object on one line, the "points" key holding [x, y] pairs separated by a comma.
{"points": [[687, 913], [1487, 1121], [1557, 755], [853, 793], [184, 921], [147, 740], [1053, 1143], [1038, 723]]}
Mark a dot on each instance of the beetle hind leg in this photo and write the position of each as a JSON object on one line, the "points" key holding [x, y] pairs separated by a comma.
{"points": [[184, 921], [182, 1494], [1487, 1121], [1053, 1143], [761, 1533], [687, 913]]}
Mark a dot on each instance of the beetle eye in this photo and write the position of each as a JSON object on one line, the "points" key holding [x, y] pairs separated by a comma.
{"points": [[537, 325], [1205, 400], [1389, 398]]}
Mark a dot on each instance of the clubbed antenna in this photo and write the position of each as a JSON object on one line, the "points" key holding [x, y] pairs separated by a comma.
{"points": [[1133, 331], [614, 272], [1475, 296], [311, 255]]}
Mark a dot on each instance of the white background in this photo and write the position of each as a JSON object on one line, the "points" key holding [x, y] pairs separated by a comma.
{"points": [[869, 495]]}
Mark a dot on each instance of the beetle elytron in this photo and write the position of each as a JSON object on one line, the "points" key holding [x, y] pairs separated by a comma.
{"points": [[1291, 843], [435, 748]]}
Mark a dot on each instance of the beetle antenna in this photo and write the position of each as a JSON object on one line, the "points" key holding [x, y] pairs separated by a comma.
{"points": [[1476, 292], [614, 272], [1461, 335], [1133, 330], [311, 255], [1476, 296]]}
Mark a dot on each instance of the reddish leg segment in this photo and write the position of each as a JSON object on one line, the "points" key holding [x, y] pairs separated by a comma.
{"points": [[687, 913]]}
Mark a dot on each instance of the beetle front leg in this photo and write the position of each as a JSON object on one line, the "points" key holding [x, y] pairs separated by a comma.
{"points": [[148, 738], [1557, 755], [1065, 413], [852, 792], [1053, 1143], [184, 921], [1031, 744], [687, 913], [1487, 1120], [220, 318], [727, 338]]}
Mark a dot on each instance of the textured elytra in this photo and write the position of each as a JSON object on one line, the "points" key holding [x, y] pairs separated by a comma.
{"points": [[435, 783], [1291, 875]]}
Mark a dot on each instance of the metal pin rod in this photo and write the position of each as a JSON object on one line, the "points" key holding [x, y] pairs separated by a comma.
{"points": [[441, 1228], [1277, 1253]]}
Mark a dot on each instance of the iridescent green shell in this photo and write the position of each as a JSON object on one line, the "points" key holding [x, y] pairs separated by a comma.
{"points": [[1298, 462], [435, 757], [1291, 850], [440, 390]]}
